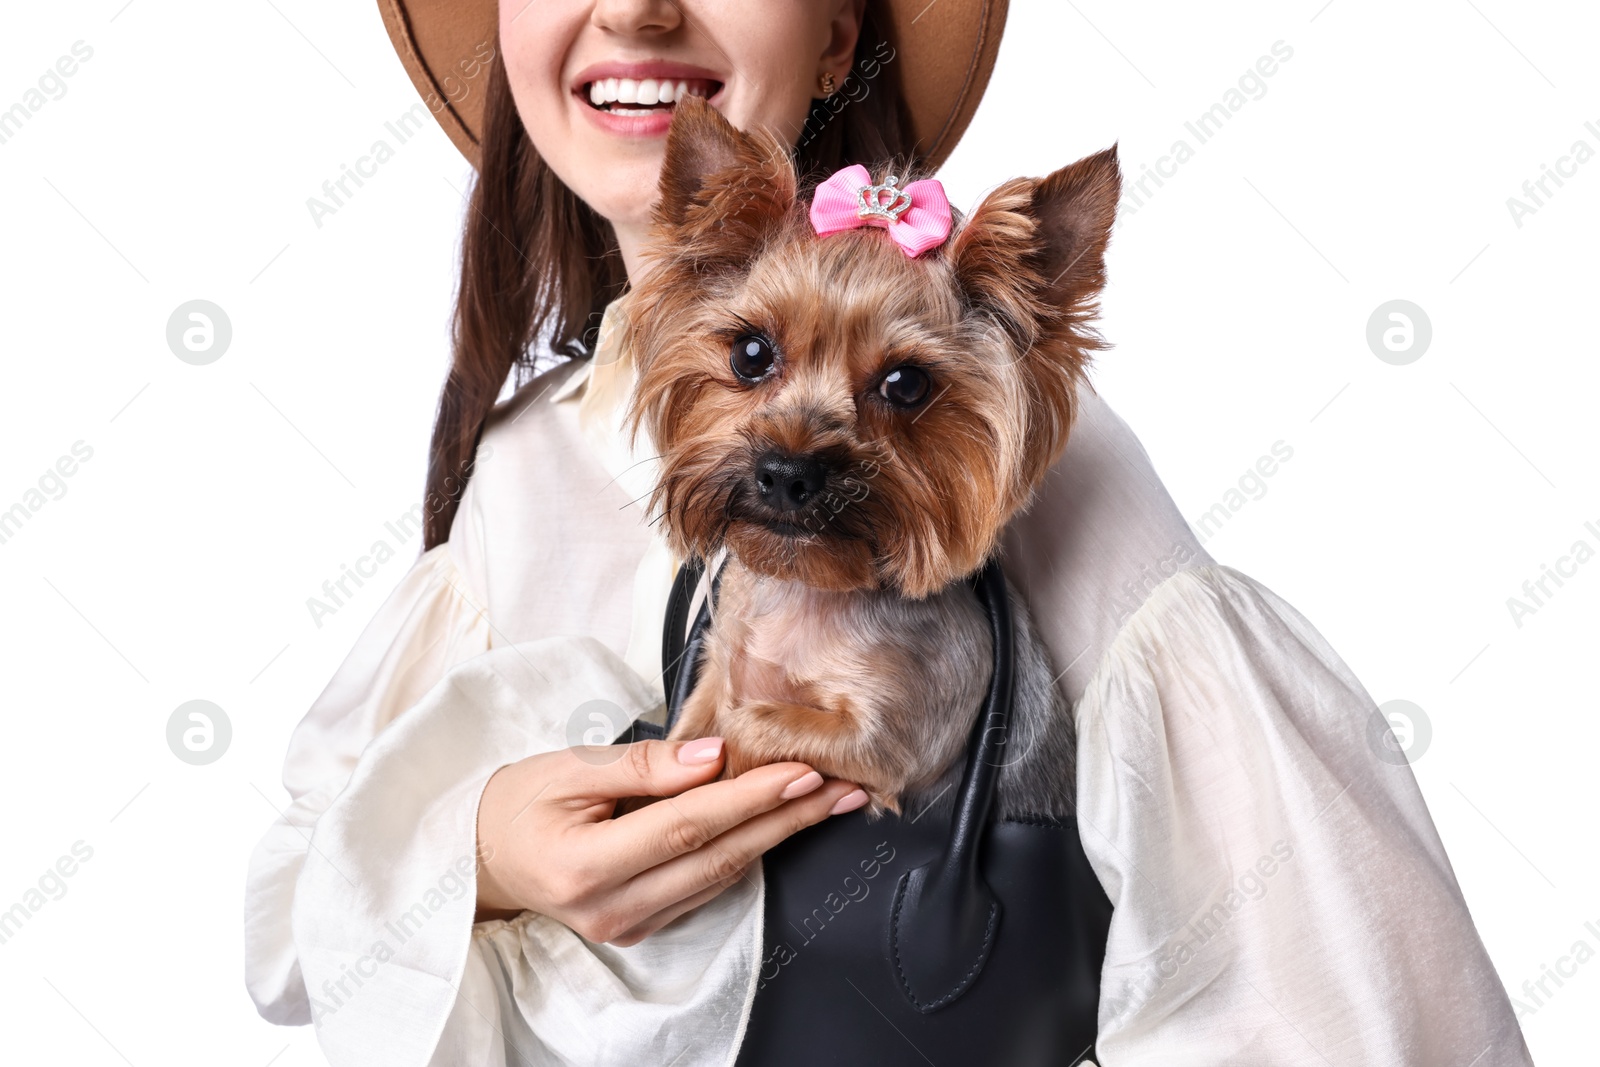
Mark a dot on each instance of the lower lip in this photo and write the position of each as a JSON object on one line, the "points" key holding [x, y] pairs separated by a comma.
{"points": [[653, 124], [788, 529]]}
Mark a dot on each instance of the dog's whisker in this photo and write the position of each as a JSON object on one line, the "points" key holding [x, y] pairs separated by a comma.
{"points": [[629, 467], [636, 499]]}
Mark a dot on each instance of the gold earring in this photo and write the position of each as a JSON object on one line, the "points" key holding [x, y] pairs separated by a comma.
{"points": [[826, 83]]}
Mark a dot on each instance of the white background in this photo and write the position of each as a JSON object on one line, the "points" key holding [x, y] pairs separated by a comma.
{"points": [[177, 165]]}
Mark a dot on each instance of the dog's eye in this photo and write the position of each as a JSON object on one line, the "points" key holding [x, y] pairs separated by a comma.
{"points": [[905, 387], [752, 357]]}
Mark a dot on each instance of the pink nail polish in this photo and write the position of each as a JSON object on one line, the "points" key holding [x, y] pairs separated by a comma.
{"points": [[849, 802], [802, 785], [704, 750]]}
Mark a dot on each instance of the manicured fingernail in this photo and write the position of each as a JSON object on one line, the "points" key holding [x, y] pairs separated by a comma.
{"points": [[702, 751], [849, 802], [802, 785]]}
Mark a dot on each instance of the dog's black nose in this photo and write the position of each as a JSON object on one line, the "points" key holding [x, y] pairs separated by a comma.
{"points": [[788, 483]]}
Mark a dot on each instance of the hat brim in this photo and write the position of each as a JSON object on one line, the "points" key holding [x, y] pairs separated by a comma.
{"points": [[944, 50]]}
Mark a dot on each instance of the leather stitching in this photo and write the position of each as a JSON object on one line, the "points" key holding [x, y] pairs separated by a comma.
{"points": [[965, 980]]}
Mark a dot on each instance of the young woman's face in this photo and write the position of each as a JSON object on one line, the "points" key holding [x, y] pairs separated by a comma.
{"points": [[595, 80]]}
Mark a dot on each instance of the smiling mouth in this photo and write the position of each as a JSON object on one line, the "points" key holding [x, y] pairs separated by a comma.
{"points": [[644, 96]]}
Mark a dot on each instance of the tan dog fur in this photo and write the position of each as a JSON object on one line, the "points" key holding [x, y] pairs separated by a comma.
{"points": [[854, 646]]}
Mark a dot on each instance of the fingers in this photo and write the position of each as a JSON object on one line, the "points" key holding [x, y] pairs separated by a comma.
{"points": [[723, 860], [675, 911], [681, 824], [642, 769], [627, 914], [622, 878]]}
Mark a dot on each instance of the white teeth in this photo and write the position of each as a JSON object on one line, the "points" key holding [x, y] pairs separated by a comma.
{"points": [[614, 91]]}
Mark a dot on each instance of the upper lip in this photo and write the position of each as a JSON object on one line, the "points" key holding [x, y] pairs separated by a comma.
{"points": [[660, 69]]}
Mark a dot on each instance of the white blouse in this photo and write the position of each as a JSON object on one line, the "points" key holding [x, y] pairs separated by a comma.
{"points": [[1280, 893]]}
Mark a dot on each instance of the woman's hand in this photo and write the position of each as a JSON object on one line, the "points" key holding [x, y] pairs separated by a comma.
{"points": [[547, 841]]}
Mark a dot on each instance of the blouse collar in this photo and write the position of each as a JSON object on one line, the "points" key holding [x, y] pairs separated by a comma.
{"points": [[600, 388]]}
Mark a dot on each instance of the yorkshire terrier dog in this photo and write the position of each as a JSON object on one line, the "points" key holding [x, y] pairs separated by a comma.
{"points": [[854, 415]]}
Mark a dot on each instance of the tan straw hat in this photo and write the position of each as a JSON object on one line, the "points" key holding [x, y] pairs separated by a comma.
{"points": [[944, 49]]}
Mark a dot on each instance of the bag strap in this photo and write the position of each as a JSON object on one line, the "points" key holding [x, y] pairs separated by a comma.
{"points": [[673, 638], [680, 655]]}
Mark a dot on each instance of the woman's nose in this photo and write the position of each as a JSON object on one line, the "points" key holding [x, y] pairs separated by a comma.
{"points": [[636, 17]]}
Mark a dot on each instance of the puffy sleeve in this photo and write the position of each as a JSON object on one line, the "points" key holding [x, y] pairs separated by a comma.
{"points": [[428, 624], [396, 970], [1281, 895]]}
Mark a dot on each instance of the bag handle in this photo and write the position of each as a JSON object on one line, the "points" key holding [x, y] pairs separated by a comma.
{"points": [[945, 916]]}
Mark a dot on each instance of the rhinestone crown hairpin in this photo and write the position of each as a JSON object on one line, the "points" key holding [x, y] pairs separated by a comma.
{"points": [[871, 202]]}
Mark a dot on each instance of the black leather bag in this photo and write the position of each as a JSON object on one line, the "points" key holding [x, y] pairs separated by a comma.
{"points": [[959, 940]]}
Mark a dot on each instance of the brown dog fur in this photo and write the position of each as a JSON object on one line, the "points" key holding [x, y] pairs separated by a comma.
{"points": [[852, 645]]}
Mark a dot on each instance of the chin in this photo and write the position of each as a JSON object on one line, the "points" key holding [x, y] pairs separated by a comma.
{"points": [[818, 560], [619, 184]]}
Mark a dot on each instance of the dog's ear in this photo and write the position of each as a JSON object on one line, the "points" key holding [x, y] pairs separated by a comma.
{"points": [[1033, 253], [723, 191], [1075, 208], [1032, 258]]}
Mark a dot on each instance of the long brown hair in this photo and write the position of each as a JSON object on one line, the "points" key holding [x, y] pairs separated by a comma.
{"points": [[539, 266]]}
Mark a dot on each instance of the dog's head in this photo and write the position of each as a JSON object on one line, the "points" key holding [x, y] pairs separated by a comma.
{"points": [[832, 410]]}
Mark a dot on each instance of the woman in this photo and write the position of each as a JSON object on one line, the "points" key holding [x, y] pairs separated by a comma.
{"points": [[1280, 893]]}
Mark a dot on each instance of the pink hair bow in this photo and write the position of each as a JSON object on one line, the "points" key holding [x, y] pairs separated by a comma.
{"points": [[917, 216]]}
